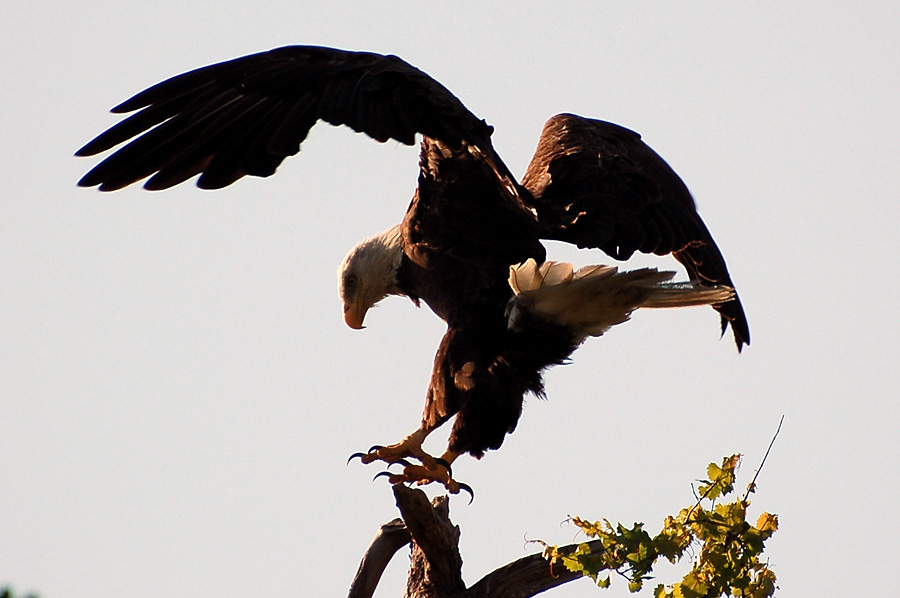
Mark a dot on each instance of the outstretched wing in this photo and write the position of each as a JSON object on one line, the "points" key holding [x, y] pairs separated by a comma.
{"points": [[596, 184], [244, 116]]}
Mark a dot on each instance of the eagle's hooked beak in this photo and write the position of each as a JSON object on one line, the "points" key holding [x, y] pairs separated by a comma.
{"points": [[355, 313]]}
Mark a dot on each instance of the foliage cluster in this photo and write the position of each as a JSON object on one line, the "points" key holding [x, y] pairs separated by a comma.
{"points": [[726, 548], [7, 592]]}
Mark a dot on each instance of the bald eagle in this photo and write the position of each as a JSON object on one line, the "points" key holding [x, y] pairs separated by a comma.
{"points": [[470, 243]]}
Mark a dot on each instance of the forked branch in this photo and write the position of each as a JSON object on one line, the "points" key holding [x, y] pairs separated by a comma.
{"points": [[435, 562]]}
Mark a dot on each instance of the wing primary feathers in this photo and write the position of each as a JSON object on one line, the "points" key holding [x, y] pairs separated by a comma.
{"points": [[147, 118], [286, 135], [226, 132], [157, 147], [382, 96]]}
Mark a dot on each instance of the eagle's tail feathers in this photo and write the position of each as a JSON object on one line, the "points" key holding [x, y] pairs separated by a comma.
{"points": [[592, 299]]}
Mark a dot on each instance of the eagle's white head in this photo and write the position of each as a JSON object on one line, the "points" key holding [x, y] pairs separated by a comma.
{"points": [[368, 274]]}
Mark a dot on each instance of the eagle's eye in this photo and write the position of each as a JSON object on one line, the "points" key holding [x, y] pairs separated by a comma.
{"points": [[351, 281]]}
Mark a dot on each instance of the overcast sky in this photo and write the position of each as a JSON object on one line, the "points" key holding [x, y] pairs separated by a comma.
{"points": [[179, 393]]}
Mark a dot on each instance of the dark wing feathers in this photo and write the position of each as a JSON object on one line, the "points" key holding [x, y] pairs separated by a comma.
{"points": [[591, 183], [596, 184], [465, 210], [245, 116]]}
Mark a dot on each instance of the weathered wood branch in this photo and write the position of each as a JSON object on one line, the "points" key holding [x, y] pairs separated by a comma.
{"points": [[435, 569], [527, 576], [391, 537], [521, 579]]}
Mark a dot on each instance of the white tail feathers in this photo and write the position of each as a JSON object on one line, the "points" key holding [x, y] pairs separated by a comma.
{"points": [[592, 299]]}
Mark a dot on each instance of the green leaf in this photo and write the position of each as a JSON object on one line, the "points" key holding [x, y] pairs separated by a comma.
{"points": [[690, 587], [767, 523]]}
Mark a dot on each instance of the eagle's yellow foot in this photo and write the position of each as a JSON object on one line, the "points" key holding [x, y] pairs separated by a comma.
{"points": [[428, 470], [422, 475], [411, 446]]}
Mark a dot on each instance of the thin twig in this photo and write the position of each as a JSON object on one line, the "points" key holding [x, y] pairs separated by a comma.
{"points": [[763, 462]]}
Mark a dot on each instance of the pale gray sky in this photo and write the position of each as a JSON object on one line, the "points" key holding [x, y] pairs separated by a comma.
{"points": [[180, 394]]}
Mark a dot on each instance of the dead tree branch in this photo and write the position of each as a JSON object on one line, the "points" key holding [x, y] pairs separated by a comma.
{"points": [[391, 537], [435, 569]]}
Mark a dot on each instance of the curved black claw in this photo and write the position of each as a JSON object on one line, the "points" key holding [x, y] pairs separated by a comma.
{"points": [[467, 488], [360, 455], [445, 464], [384, 473], [402, 462]]}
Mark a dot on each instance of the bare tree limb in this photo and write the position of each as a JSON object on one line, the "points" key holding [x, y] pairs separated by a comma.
{"points": [[435, 569], [391, 537], [527, 576]]}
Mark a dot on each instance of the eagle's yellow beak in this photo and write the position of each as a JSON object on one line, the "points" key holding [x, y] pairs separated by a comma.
{"points": [[355, 313]]}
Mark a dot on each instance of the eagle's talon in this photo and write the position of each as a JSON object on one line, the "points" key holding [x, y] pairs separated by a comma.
{"points": [[467, 488], [393, 478], [372, 455]]}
